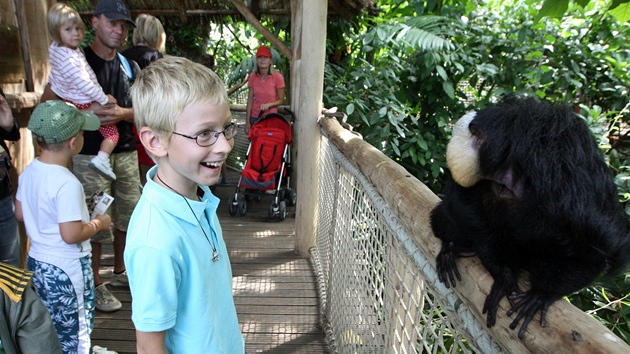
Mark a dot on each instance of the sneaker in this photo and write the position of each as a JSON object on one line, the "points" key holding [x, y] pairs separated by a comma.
{"points": [[223, 181], [105, 301], [119, 279], [100, 350], [102, 166]]}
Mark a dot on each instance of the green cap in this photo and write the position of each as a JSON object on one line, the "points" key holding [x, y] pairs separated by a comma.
{"points": [[58, 121]]}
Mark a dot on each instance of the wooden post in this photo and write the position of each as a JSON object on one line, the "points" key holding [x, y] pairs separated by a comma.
{"points": [[249, 16], [310, 46], [25, 43]]}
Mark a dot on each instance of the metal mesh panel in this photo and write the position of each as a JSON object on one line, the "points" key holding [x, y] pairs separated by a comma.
{"points": [[378, 293]]}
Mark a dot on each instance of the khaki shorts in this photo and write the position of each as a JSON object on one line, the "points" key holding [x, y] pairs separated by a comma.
{"points": [[125, 189]]}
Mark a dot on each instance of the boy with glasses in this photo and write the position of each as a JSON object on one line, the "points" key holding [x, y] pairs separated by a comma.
{"points": [[177, 262]]}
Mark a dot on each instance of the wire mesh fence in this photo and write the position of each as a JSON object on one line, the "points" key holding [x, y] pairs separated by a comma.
{"points": [[378, 294]]}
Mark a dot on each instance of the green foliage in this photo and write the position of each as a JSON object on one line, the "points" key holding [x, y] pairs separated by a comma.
{"points": [[604, 302], [414, 70], [233, 44]]}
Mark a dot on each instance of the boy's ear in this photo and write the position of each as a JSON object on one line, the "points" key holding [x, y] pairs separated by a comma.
{"points": [[72, 142], [152, 142]]}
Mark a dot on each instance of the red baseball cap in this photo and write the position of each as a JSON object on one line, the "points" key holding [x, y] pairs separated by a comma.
{"points": [[263, 51]]}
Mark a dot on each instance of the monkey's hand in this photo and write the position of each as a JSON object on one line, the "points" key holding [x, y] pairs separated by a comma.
{"points": [[527, 304], [500, 288], [446, 267]]}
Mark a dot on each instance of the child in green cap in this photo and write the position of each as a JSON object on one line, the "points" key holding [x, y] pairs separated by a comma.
{"points": [[51, 202]]}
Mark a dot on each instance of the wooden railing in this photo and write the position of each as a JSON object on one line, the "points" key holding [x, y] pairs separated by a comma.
{"points": [[375, 258]]}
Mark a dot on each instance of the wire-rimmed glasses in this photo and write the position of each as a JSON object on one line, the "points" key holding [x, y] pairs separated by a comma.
{"points": [[209, 137]]}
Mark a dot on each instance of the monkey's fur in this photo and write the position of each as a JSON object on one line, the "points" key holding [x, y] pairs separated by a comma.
{"points": [[531, 192]]}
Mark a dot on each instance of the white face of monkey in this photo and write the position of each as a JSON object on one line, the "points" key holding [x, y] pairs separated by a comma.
{"points": [[462, 155]]}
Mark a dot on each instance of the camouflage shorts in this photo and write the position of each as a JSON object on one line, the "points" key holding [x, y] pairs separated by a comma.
{"points": [[125, 189]]}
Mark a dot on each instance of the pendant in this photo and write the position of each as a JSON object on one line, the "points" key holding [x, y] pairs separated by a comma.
{"points": [[215, 256]]}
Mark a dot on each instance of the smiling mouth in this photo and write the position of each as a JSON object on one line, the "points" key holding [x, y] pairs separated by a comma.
{"points": [[211, 164]]}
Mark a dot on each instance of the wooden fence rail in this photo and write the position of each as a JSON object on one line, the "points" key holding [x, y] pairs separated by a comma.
{"points": [[568, 330]]}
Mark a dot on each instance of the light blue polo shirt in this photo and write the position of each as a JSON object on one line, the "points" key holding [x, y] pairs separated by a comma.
{"points": [[175, 284]]}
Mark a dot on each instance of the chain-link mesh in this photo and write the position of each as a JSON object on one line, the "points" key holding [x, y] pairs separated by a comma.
{"points": [[378, 292]]}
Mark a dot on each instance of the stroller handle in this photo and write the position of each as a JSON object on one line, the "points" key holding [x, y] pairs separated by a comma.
{"points": [[291, 114]]}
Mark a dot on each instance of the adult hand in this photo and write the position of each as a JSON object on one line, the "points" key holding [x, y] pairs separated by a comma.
{"points": [[111, 114], [265, 106], [6, 117], [247, 127]]}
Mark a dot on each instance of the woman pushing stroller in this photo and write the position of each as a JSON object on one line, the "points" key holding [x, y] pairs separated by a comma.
{"points": [[266, 89]]}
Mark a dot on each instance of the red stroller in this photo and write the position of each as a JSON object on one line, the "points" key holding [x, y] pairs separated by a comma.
{"points": [[267, 166]]}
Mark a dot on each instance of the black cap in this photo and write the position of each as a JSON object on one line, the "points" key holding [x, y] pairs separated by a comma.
{"points": [[113, 10]]}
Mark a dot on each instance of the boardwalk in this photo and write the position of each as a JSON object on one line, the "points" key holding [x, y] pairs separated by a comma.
{"points": [[275, 291]]}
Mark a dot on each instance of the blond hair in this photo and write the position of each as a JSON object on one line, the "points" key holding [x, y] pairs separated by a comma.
{"points": [[149, 31], [165, 88], [58, 15]]}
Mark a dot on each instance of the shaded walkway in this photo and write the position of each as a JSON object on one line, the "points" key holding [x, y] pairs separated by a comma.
{"points": [[274, 290]]}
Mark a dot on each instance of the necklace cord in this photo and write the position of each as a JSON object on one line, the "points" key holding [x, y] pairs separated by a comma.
{"points": [[215, 254]]}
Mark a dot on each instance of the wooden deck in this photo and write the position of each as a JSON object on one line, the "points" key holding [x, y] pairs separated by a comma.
{"points": [[274, 290]]}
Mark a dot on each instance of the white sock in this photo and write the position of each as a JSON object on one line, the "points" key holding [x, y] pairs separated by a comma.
{"points": [[103, 155]]}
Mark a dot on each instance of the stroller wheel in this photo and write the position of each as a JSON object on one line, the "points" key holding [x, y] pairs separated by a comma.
{"points": [[232, 206], [273, 208], [242, 207], [282, 211], [291, 197]]}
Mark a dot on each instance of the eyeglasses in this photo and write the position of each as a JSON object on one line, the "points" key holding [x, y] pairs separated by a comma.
{"points": [[209, 137]]}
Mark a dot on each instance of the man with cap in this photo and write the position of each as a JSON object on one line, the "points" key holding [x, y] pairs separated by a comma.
{"points": [[51, 203], [115, 73]]}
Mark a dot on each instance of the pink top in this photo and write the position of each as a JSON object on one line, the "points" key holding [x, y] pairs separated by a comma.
{"points": [[72, 78], [265, 92]]}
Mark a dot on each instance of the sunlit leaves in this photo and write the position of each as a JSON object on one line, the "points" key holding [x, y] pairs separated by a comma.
{"points": [[621, 12]]}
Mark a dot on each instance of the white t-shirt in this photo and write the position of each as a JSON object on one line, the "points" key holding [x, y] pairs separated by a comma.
{"points": [[50, 195]]}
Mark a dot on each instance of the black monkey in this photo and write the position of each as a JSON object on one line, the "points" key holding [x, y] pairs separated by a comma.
{"points": [[531, 192]]}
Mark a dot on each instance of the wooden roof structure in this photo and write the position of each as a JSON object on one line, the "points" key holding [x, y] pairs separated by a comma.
{"points": [[24, 67], [194, 10]]}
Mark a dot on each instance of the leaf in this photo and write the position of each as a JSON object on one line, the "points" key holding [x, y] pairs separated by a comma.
{"points": [[441, 72], [350, 109], [380, 32], [395, 148], [422, 143], [621, 12], [553, 9], [447, 86]]}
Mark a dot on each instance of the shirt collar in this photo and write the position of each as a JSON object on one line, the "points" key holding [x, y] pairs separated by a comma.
{"points": [[175, 204]]}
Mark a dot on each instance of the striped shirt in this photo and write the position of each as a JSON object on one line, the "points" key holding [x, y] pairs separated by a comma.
{"points": [[72, 78]]}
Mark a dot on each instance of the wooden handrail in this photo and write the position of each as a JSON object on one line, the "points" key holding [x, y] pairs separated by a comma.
{"points": [[23, 100], [569, 330]]}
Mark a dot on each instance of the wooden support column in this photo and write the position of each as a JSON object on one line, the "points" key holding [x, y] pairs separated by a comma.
{"points": [[251, 18], [25, 43], [311, 49]]}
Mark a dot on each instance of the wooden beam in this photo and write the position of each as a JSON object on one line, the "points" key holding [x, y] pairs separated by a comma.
{"points": [[200, 12], [255, 8], [181, 9], [334, 4], [25, 44], [284, 50], [310, 66]]}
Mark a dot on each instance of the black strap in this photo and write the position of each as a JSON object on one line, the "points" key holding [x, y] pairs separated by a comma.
{"points": [[263, 167]]}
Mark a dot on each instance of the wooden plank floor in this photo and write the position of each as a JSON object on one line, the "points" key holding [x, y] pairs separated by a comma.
{"points": [[274, 290]]}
